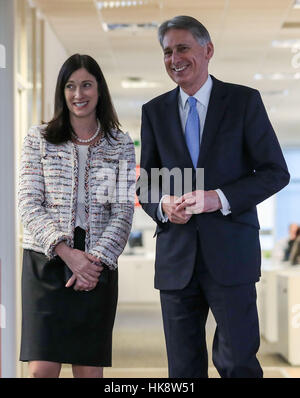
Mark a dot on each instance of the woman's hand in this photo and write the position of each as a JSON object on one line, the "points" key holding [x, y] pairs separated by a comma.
{"points": [[85, 267], [79, 285], [82, 286]]}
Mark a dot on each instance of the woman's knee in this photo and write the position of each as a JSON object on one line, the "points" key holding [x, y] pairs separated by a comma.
{"points": [[44, 369], [87, 371]]}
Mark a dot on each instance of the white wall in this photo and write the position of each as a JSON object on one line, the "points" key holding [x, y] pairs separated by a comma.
{"points": [[55, 56]]}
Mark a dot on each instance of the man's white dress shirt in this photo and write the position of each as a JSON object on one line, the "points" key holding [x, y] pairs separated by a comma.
{"points": [[202, 96]]}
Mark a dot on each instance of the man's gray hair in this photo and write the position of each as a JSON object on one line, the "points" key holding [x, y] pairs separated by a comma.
{"points": [[184, 22]]}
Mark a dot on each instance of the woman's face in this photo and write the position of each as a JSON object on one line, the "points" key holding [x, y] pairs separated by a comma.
{"points": [[81, 94]]}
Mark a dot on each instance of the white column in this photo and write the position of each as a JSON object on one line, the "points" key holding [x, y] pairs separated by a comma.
{"points": [[7, 191]]}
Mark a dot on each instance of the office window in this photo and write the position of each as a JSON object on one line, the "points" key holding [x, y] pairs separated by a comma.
{"points": [[287, 200], [266, 211]]}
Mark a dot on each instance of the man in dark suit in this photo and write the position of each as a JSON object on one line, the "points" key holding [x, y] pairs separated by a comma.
{"points": [[207, 250]]}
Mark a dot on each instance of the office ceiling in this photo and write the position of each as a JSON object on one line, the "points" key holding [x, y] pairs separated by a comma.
{"points": [[242, 32]]}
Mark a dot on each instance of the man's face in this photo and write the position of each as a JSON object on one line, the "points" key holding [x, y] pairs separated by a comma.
{"points": [[293, 229], [185, 60]]}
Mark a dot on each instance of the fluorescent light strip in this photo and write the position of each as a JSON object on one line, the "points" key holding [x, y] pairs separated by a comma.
{"points": [[138, 84], [290, 43], [117, 4], [128, 26], [272, 93], [277, 76]]}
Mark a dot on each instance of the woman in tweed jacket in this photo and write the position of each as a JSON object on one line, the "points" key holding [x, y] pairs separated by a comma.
{"points": [[76, 202]]}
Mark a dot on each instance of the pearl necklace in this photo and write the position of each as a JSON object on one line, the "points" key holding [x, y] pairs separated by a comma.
{"points": [[89, 139]]}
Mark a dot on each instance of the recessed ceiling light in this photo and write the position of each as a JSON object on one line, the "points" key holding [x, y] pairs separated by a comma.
{"points": [[116, 4], [277, 76], [132, 82], [258, 76], [129, 26], [272, 93], [289, 43]]}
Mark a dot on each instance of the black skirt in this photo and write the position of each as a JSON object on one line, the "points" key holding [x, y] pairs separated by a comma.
{"points": [[60, 324]]}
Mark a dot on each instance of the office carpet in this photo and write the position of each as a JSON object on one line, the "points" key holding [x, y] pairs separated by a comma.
{"points": [[139, 347]]}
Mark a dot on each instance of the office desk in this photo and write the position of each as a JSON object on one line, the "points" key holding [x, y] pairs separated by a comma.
{"points": [[267, 300], [288, 301], [136, 279], [278, 299]]}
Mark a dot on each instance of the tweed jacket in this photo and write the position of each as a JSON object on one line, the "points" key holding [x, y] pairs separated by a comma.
{"points": [[48, 186]]}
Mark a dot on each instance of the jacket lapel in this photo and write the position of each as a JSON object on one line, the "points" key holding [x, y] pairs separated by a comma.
{"points": [[214, 116]]}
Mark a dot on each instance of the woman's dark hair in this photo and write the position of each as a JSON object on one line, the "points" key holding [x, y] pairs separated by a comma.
{"points": [[59, 129]]}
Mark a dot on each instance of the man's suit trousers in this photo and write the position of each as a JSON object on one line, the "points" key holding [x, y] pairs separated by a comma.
{"points": [[236, 340]]}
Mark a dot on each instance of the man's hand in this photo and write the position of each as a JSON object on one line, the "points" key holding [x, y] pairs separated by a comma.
{"points": [[197, 202], [170, 208]]}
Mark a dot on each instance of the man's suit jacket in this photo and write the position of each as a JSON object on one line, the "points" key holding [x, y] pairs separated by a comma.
{"points": [[240, 155]]}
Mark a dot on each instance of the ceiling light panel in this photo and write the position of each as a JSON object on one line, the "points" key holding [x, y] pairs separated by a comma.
{"points": [[277, 76], [117, 4], [133, 27], [289, 43]]}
